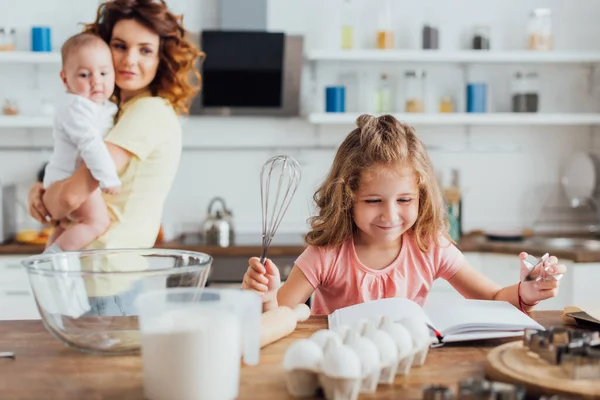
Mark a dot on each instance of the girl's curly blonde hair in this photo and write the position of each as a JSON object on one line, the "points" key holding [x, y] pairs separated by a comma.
{"points": [[382, 141], [177, 78]]}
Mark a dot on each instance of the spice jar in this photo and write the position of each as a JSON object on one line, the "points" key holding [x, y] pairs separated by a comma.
{"points": [[430, 37], [446, 104], [415, 87], [383, 97], [10, 108], [540, 29], [481, 38], [525, 92], [385, 34], [347, 26]]}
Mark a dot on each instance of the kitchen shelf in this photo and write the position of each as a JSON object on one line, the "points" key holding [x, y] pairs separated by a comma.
{"points": [[30, 57], [467, 119], [18, 121], [459, 56]]}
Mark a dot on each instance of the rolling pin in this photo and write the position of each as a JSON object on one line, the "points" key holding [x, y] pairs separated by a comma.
{"points": [[280, 322]]}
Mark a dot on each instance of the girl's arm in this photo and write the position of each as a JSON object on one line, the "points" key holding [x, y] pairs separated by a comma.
{"points": [[472, 284], [296, 289], [64, 197]]}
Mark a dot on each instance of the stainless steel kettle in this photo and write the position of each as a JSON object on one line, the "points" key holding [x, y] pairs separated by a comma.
{"points": [[218, 227]]}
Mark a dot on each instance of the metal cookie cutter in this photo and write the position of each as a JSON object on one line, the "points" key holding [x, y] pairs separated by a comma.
{"points": [[437, 392], [476, 389], [536, 269], [577, 352]]}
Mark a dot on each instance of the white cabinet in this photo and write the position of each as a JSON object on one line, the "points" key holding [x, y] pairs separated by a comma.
{"points": [[16, 299]]}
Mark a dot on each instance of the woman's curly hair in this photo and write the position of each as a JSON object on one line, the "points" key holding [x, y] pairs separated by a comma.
{"points": [[177, 78]]}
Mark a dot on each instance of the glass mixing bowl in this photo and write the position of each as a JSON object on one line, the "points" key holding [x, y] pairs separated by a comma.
{"points": [[86, 298]]}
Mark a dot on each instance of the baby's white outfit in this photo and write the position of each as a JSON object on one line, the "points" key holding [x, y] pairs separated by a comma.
{"points": [[79, 129]]}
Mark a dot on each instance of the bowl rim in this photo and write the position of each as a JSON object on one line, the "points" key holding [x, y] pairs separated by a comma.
{"points": [[33, 264]]}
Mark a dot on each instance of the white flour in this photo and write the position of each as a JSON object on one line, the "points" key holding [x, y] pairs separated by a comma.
{"points": [[192, 354]]}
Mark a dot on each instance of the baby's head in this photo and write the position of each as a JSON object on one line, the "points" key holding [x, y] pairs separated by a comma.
{"points": [[381, 184], [87, 67]]}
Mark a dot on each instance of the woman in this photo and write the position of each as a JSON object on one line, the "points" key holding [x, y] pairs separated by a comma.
{"points": [[154, 64]]}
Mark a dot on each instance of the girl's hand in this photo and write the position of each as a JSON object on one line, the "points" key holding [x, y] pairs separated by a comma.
{"points": [[263, 279], [36, 206], [542, 287]]}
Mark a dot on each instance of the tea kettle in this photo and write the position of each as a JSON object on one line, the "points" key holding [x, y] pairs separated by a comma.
{"points": [[218, 227]]}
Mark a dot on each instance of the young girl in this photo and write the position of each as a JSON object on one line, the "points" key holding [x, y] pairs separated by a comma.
{"points": [[83, 118], [381, 232]]}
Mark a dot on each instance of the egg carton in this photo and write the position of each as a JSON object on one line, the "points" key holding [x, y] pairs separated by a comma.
{"points": [[355, 359], [576, 351]]}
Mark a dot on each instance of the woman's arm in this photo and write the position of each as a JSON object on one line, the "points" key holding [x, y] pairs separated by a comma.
{"points": [[64, 197]]}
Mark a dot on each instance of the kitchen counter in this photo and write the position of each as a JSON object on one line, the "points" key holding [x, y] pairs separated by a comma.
{"points": [[478, 243], [45, 369], [246, 245], [290, 244]]}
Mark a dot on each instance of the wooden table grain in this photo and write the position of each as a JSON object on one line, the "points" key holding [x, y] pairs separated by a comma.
{"points": [[46, 369]]}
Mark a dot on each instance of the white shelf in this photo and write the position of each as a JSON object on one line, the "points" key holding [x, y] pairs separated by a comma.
{"points": [[467, 119], [18, 121], [29, 57], [459, 56]]}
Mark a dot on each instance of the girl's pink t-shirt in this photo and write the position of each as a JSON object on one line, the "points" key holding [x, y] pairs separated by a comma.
{"points": [[341, 280]]}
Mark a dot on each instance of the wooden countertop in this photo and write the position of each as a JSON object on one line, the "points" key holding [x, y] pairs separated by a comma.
{"points": [[469, 243], [44, 368]]}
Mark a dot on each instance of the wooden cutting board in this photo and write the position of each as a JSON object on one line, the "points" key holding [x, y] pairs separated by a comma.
{"points": [[512, 363]]}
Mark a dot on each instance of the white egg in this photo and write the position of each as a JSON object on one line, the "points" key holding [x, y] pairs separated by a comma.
{"points": [[419, 331], [303, 354], [400, 335], [340, 361], [342, 330], [321, 336], [365, 349]]}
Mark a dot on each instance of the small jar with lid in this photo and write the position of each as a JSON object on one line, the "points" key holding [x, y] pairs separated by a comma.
{"points": [[414, 90], [385, 33], [383, 95], [10, 107], [348, 22], [481, 38], [525, 92], [540, 29]]}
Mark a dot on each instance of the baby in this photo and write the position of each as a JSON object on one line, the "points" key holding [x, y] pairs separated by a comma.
{"points": [[82, 120]]}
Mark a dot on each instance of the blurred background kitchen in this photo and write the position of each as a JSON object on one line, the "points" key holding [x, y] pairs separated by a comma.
{"points": [[505, 95]]}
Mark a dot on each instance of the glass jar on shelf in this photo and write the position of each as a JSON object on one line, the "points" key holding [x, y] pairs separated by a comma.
{"points": [[446, 104], [348, 22], [525, 92], [385, 33], [481, 38], [10, 107], [540, 29], [414, 81], [383, 95]]}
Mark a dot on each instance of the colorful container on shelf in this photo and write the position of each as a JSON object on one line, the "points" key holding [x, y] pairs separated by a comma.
{"points": [[476, 98], [41, 39], [335, 99]]}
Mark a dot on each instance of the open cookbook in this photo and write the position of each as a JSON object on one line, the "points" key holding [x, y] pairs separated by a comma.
{"points": [[455, 319]]}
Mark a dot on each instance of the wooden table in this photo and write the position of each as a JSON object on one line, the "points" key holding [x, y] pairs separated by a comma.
{"points": [[45, 369]]}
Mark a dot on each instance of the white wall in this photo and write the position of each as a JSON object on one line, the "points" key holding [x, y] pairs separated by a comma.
{"points": [[506, 172]]}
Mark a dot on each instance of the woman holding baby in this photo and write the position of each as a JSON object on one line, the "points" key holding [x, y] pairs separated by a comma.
{"points": [[135, 53], [153, 66]]}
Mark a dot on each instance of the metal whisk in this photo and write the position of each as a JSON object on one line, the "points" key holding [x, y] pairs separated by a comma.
{"points": [[274, 205]]}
